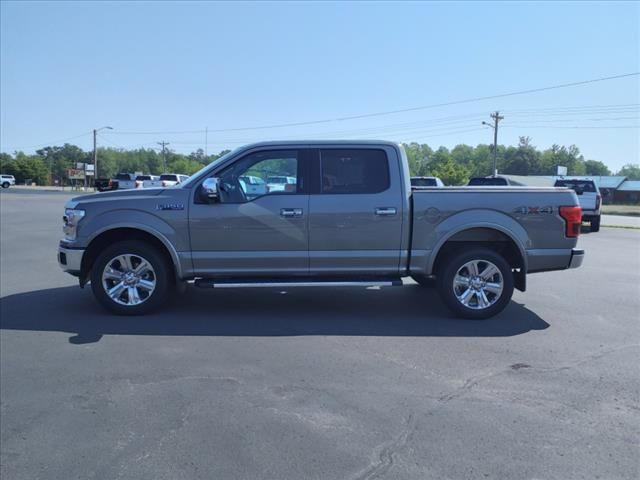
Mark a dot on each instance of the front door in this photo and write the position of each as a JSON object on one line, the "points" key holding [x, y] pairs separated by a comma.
{"points": [[259, 224]]}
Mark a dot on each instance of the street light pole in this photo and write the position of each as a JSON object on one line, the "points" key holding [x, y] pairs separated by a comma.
{"points": [[95, 153]]}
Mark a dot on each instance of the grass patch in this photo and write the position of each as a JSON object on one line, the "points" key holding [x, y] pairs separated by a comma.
{"points": [[626, 227], [625, 210]]}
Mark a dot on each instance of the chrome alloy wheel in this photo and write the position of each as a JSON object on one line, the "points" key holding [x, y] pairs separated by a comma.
{"points": [[478, 284], [128, 279]]}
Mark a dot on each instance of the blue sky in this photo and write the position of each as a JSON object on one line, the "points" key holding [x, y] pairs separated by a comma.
{"points": [[167, 67]]}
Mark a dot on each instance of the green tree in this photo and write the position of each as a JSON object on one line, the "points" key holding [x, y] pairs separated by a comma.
{"points": [[26, 167], [594, 167], [521, 160], [451, 173], [631, 171]]}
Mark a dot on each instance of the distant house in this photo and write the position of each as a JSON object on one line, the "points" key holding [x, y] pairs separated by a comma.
{"points": [[608, 185], [628, 192]]}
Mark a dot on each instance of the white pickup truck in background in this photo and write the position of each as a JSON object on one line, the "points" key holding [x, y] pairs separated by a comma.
{"points": [[589, 198], [171, 179]]}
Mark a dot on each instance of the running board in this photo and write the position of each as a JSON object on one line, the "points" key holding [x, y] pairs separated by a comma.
{"points": [[300, 282]]}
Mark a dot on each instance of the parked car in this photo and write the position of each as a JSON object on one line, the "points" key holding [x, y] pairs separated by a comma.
{"points": [[478, 244], [123, 181], [7, 180], [589, 198], [426, 182], [280, 183], [148, 181], [489, 181], [171, 179], [253, 186]]}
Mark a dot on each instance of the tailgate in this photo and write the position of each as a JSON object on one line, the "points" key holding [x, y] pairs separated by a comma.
{"points": [[587, 200]]}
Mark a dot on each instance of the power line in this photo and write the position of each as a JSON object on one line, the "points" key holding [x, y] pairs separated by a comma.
{"points": [[403, 110], [613, 127]]}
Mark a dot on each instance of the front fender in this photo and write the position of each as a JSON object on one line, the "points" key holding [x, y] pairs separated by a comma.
{"points": [[139, 220]]}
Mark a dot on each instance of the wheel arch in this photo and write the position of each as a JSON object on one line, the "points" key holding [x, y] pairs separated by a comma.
{"points": [[114, 234], [492, 236]]}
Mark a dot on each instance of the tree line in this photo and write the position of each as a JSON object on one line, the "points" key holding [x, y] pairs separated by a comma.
{"points": [[454, 166]]}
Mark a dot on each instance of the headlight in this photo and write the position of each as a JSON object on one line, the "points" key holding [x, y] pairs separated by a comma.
{"points": [[71, 219]]}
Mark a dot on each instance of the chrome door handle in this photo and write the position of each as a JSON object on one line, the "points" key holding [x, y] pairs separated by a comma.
{"points": [[291, 212], [386, 211]]}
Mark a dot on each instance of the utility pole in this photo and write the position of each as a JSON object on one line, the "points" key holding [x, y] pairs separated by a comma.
{"points": [[95, 159], [95, 155], [496, 118], [164, 160]]}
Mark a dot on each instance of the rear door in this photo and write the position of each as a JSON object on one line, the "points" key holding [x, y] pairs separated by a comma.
{"points": [[355, 222]]}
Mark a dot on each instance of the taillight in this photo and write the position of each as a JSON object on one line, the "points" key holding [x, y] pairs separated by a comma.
{"points": [[598, 200], [573, 220]]}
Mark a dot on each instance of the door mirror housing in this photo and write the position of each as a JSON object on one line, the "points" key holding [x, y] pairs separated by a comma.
{"points": [[210, 188]]}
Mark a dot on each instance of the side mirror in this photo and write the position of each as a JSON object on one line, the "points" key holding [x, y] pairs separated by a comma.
{"points": [[210, 188]]}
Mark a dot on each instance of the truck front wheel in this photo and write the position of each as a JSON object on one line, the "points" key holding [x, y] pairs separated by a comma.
{"points": [[131, 278], [476, 284]]}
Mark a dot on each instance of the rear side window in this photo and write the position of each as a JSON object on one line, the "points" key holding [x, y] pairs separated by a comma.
{"points": [[353, 171]]}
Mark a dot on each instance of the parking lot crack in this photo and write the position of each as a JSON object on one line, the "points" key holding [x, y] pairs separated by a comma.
{"points": [[385, 456]]}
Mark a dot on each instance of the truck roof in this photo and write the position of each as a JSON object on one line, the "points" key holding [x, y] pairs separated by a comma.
{"points": [[272, 143]]}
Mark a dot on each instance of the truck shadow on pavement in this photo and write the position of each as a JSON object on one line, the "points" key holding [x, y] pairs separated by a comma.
{"points": [[406, 311]]}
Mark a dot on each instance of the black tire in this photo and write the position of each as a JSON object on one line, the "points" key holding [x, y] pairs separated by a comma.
{"points": [[594, 225], [161, 274], [5, 185], [455, 262]]}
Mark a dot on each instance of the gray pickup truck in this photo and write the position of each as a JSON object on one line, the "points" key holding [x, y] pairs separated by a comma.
{"points": [[348, 218]]}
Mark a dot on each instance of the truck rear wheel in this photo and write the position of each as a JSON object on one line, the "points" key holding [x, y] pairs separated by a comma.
{"points": [[131, 278], [594, 224], [476, 284]]}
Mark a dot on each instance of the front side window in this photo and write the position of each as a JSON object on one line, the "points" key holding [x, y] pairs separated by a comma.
{"points": [[258, 174], [353, 171]]}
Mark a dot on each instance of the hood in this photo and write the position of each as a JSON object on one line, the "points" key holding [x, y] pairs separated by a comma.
{"points": [[119, 194]]}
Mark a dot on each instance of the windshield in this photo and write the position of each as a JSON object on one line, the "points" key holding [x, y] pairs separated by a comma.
{"points": [[423, 182], [276, 179], [488, 181], [196, 176]]}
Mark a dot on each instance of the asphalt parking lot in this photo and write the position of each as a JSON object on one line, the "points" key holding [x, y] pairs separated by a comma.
{"points": [[316, 383]]}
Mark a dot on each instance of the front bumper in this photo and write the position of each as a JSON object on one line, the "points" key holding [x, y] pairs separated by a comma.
{"points": [[577, 256], [70, 259]]}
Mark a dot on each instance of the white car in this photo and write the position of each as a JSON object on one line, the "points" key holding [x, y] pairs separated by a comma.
{"points": [[280, 183], [253, 186], [7, 180], [171, 179]]}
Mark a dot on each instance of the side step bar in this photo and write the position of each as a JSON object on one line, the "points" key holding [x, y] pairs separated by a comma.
{"points": [[299, 282]]}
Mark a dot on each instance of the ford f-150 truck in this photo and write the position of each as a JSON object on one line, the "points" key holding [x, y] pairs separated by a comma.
{"points": [[350, 218]]}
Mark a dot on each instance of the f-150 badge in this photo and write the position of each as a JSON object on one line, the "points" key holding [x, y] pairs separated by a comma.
{"points": [[170, 206]]}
